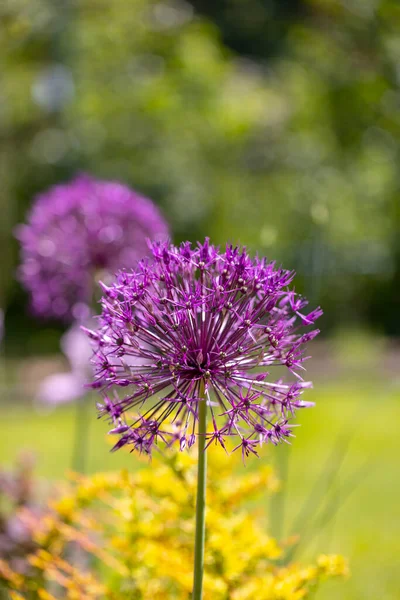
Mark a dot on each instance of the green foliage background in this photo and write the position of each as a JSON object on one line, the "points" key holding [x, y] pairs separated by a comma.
{"points": [[272, 124]]}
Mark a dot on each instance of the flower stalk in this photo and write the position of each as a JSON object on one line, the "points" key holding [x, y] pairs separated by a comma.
{"points": [[200, 500], [81, 433]]}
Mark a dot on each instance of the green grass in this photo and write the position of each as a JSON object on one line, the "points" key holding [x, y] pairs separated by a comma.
{"points": [[366, 527], [50, 435]]}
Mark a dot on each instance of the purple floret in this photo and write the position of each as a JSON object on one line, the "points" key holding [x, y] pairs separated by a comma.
{"points": [[201, 325], [77, 231]]}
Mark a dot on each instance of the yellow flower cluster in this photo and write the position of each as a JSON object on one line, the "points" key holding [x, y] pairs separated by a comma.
{"points": [[131, 535]]}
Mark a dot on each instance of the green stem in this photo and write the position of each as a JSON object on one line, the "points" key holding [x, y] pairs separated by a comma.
{"points": [[81, 433], [200, 501], [278, 500]]}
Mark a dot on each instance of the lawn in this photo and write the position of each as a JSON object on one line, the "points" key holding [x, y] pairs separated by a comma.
{"points": [[364, 486]]}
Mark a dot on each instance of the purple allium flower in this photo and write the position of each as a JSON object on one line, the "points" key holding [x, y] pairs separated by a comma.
{"points": [[76, 231], [200, 325]]}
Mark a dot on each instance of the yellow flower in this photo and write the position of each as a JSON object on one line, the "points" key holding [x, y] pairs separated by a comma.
{"points": [[333, 565], [14, 580], [139, 528]]}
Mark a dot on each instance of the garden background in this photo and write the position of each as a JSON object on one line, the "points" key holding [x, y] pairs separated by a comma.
{"points": [[267, 123]]}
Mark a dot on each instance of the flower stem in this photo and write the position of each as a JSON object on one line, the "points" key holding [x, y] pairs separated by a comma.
{"points": [[200, 500], [81, 432], [278, 500]]}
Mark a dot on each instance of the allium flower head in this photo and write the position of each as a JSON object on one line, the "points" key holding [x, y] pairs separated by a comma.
{"points": [[77, 230], [201, 325]]}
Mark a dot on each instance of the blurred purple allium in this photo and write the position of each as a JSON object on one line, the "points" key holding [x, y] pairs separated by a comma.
{"points": [[61, 388], [201, 325], [78, 230]]}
